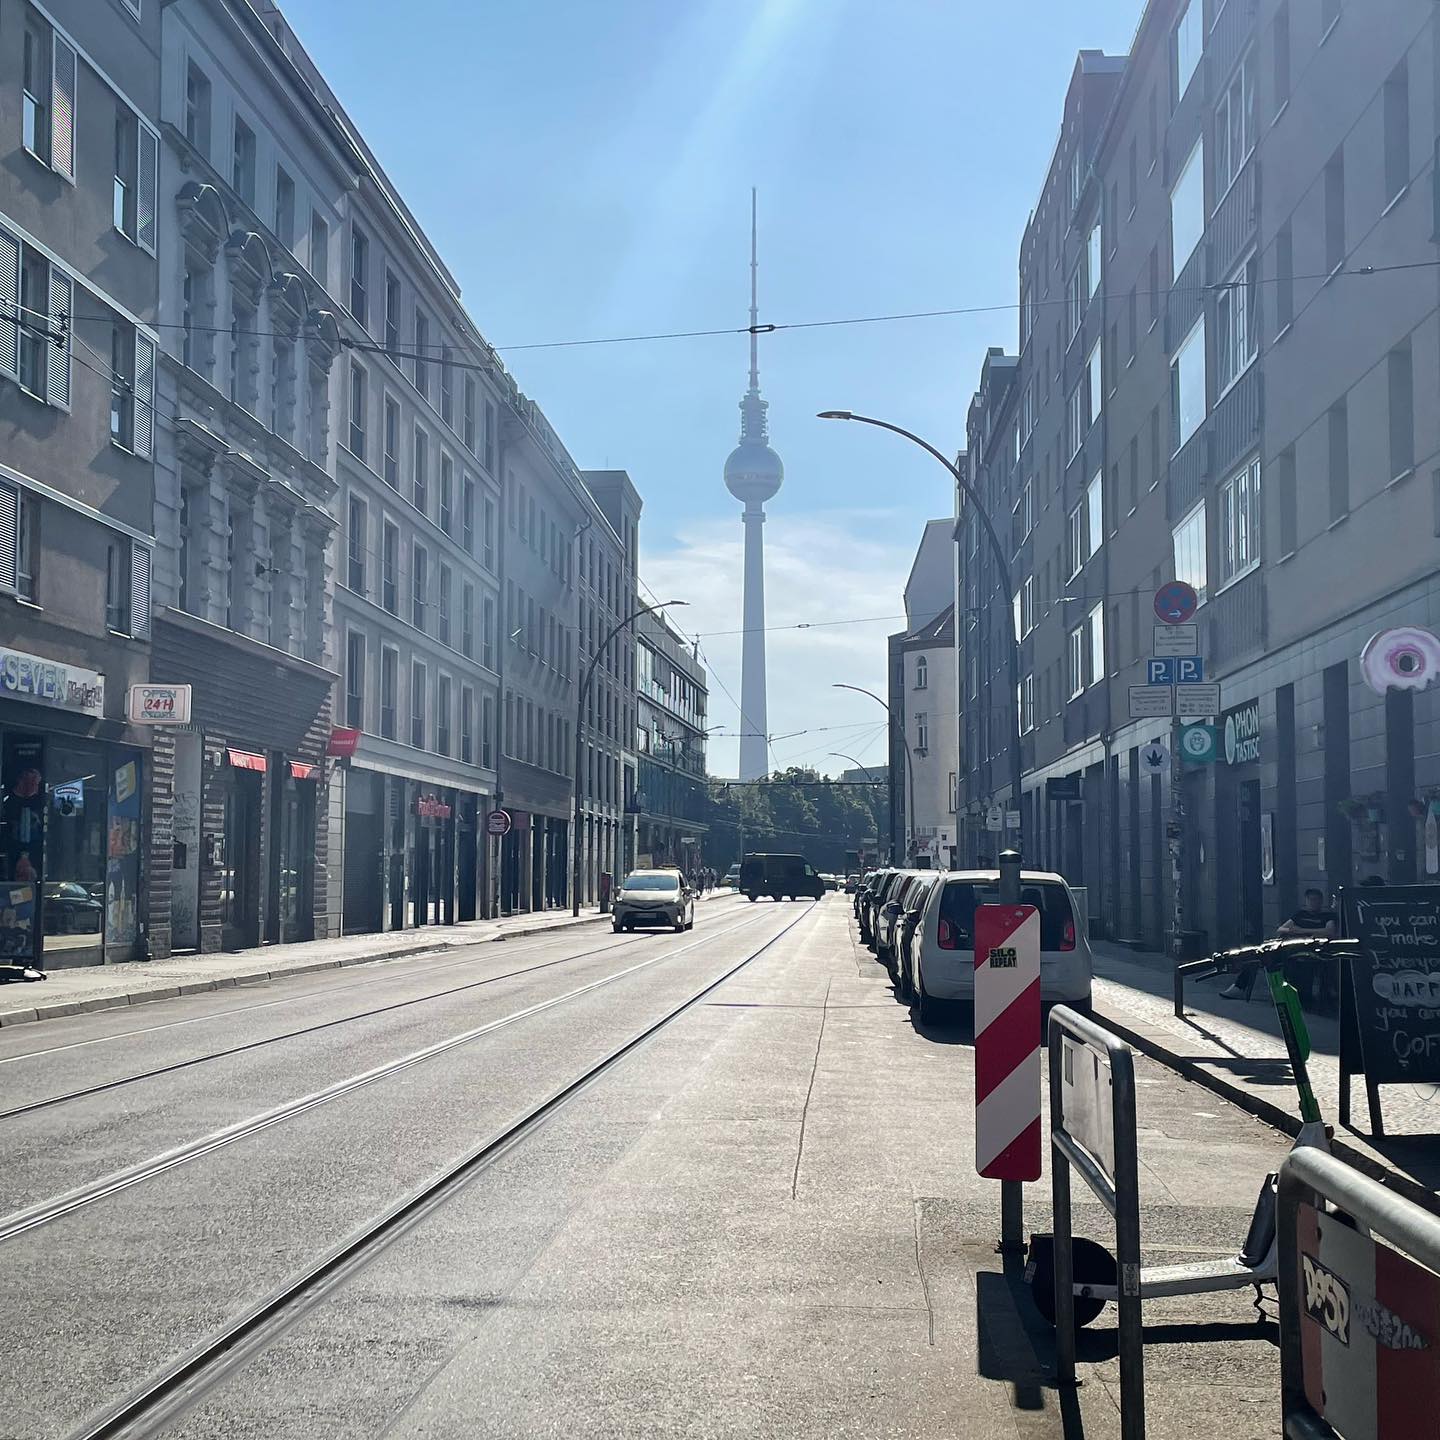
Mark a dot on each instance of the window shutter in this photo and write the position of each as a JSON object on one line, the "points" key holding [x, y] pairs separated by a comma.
{"points": [[57, 356], [9, 306], [139, 590], [9, 534], [144, 396], [62, 107], [147, 196]]}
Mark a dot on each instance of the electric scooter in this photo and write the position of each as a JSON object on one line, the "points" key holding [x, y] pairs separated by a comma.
{"points": [[1257, 1262]]}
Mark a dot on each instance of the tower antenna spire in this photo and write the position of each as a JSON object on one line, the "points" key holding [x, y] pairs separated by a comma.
{"points": [[754, 299]]}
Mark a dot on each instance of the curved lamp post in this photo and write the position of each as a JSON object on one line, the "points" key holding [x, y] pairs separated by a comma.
{"points": [[578, 844], [909, 764], [1002, 564]]}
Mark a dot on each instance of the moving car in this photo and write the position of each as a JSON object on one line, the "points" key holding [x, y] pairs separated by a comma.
{"points": [[732, 876], [940, 964], [787, 877], [654, 897]]}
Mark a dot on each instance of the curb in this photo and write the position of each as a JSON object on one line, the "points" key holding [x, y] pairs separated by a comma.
{"points": [[1268, 1113]]}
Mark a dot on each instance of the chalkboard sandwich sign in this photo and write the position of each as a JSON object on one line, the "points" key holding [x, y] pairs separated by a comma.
{"points": [[1390, 1020]]}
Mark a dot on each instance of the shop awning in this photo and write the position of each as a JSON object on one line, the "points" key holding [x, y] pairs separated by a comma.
{"points": [[299, 770], [245, 760]]}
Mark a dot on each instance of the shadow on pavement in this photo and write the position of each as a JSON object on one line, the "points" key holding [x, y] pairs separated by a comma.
{"points": [[1015, 1346]]}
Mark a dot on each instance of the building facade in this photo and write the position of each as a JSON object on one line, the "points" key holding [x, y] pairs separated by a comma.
{"points": [[1228, 341], [672, 703], [79, 90]]}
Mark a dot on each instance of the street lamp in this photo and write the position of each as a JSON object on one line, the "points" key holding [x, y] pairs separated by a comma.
{"points": [[585, 682], [1002, 564], [909, 763]]}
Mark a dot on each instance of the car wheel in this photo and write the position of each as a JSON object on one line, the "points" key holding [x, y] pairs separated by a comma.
{"points": [[904, 991], [923, 1006], [752, 898], [617, 927], [679, 924]]}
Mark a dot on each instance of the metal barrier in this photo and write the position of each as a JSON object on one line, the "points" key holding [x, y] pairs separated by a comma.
{"points": [[1359, 1321], [1097, 1137]]}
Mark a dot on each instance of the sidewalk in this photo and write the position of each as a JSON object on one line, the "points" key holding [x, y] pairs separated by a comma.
{"points": [[107, 987], [1234, 1048]]}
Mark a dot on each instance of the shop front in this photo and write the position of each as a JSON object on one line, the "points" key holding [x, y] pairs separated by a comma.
{"points": [[71, 815]]}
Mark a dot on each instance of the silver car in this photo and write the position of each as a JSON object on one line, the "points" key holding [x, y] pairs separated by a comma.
{"points": [[654, 897]]}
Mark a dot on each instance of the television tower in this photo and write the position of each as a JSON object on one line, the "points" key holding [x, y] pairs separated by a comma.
{"points": [[753, 474]]}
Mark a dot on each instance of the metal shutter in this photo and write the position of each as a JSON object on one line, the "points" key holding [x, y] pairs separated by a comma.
{"points": [[57, 353], [9, 534], [62, 107], [139, 590], [144, 396], [9, 306], [147, 198]]}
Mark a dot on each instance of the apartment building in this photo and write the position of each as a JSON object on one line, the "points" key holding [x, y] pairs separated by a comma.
{"points": [[672, 703], [79, 233], [1229, 287]]}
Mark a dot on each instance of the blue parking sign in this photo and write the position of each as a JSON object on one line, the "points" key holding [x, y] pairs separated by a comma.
{"points": [[1189, 669], [1160, 672]]}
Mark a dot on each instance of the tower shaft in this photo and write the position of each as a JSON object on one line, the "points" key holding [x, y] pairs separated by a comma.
{"points": [[754, 725]]}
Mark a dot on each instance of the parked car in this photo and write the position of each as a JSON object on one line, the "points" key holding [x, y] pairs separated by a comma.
{"points": [[865, 903], [852, 883], [887, 912], [787, 877], [941, 958], [654, 897], [913, 907]]}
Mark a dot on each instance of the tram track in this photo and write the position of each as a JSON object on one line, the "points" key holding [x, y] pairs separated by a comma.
{"points": [[33, 1217], [149, 1407]]}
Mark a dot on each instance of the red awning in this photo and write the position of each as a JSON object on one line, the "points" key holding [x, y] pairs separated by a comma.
{"points": [[299, 770], [244, 760]]}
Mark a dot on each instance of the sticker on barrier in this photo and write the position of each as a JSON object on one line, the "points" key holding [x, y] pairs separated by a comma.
{"points": [[1007, 1042]]}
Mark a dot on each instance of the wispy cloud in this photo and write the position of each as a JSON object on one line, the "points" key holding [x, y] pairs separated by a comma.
{"points": [[819, 567]]}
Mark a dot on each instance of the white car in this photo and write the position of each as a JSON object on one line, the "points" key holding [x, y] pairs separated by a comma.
{"points": [[654, 897], [939, 964]]}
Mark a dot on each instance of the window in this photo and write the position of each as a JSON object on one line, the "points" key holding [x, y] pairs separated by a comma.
{"points": [[1152, 283], [1289, 512], [1397, 132], [467, 620], [284, 208], [922, 673], [1400, 379], [1239, 515], [447, 388], [356, 541], [417, 704], [1075, 657], [1235, 126], [1284, 278], [467, 514], [1095, 626], [442, 714], [1075, 300], [282, 387], [1339, 437], [242, 163], [1134, 173], [1077, 540], [197, 108], [467, 725], [420, 476], [127, 163], [922, 732], [443, 604], [359, 274], [1095, 382], [1076, 416], [355, 680], [390, 566], [487, 636], [357, 411], [1188, 538], [1237, 316], [419, 585], [487, 730], [117, 586], [185, 559], [392, 311], [1187, 387], [467, 430], [25, 339], [1189, 41], [492, 422], [389, 691], [1093, 260], [1094, 515], [422, 344], [1280, 49], [1187, 207], [1025, 698], [1335, 212], [391, 461], [35, 90], [447, 493], [319, 249], [19, 540], [1074, 178]]}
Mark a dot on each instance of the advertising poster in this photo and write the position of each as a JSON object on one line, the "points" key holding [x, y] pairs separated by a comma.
{"points": [[122, 856], [22, 845]]}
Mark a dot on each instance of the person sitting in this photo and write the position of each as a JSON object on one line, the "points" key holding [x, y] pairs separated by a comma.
{"points": [[1313, 919]]}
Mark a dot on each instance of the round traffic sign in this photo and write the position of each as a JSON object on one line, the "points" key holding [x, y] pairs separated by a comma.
{"points": [[498, 822], [1176, 602], [1154, 759]]}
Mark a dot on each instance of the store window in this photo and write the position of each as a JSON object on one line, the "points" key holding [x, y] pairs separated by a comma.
{"points": [[73, 873]]}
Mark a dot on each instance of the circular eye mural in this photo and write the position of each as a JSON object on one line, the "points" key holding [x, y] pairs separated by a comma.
{"points": [[1407, 658]]}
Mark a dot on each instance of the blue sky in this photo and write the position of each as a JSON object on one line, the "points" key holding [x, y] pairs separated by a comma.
{"points": [[585, 165]]}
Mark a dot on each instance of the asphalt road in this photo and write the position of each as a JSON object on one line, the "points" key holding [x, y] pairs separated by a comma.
{"points": [[762, 1221]]}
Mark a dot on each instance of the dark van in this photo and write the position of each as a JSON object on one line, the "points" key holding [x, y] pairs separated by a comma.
{"points": [[787, 877]]}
